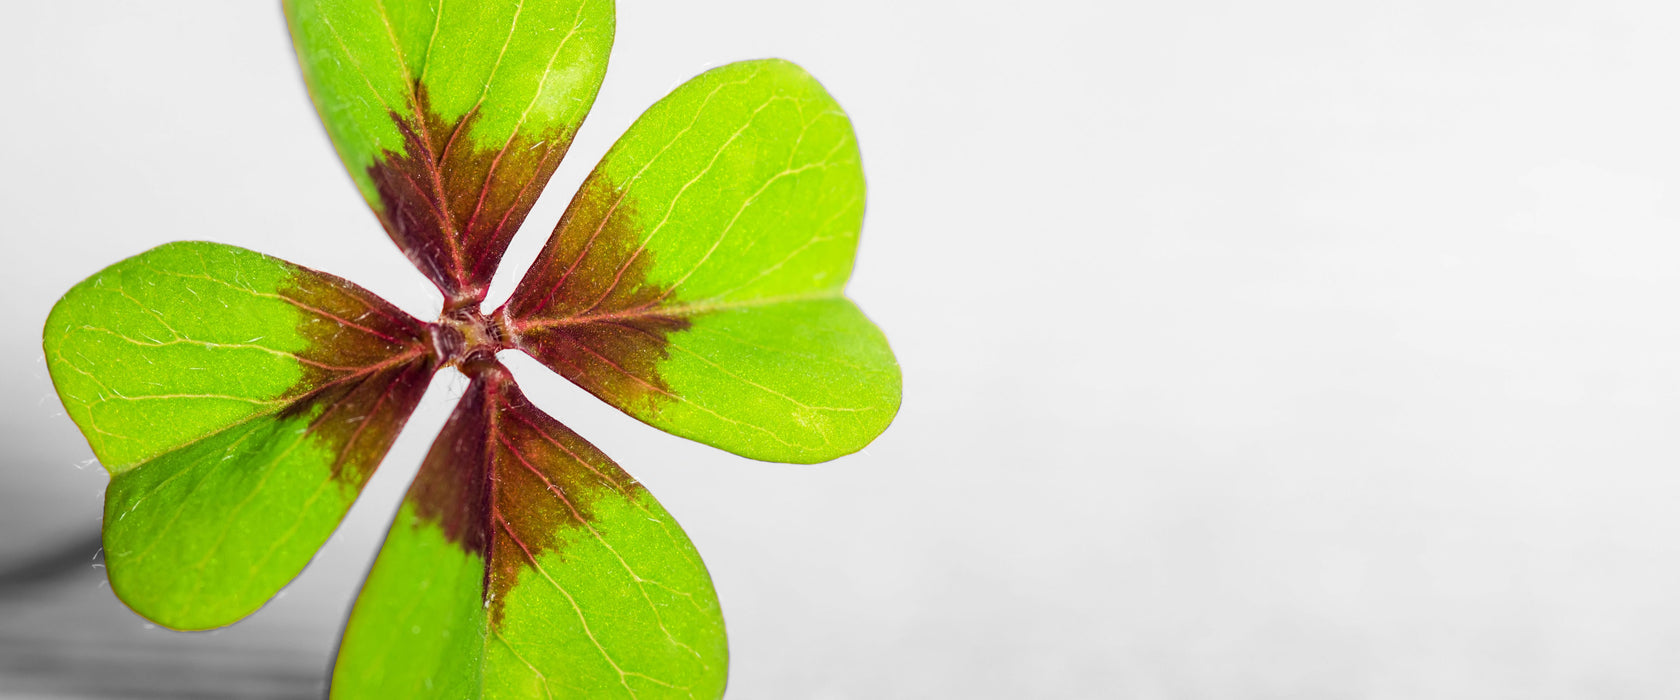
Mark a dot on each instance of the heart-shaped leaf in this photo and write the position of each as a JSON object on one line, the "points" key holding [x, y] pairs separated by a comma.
{"points": [[697, 280], [240, 403], [451, 116], [524, 563]]}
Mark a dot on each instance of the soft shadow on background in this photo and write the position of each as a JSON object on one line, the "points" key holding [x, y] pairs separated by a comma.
{"points": [[1250, 350]]}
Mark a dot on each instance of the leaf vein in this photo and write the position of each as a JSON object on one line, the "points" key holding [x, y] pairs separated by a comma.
{"points": [[582, 620], [658, 619], [625, 187], [642, 246]]}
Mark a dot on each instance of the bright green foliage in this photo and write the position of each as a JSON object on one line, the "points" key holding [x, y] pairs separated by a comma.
{"points": [[452, 115], [204, 370], [228, 393], [574, 583], [696, 282], [797, 381], [203, 536], [728, 216], [531, 67], [421, 624]]}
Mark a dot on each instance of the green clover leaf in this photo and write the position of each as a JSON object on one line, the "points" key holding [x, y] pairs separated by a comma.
{"points": [[696, 283]]}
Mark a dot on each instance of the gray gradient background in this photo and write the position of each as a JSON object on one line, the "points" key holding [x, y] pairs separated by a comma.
{"points": [[1251, 350]]}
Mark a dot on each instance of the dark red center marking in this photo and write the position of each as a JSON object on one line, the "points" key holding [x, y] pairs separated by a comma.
{"points": [[509, 483], [588, 310], [452, 205], [365, 369]]}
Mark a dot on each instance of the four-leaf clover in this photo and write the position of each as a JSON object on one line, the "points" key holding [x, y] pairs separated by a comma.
{"points": [[696, 282]]}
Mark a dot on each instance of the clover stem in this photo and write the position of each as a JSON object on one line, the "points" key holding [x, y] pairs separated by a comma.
{"points": [[468, 339]]}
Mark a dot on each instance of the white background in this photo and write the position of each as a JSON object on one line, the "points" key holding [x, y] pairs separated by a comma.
{"points": [[1251, 350]]}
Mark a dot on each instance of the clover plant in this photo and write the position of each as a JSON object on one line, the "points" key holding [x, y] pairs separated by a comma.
{"points": [[240, 402]]}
